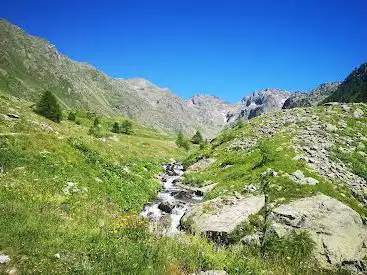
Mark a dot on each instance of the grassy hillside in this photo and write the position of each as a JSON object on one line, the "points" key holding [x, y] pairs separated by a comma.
{"points": [[30, 65], [69, 201], [353, 88], [285, 142]]}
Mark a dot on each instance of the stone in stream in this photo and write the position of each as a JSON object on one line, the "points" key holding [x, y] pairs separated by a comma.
{"points": [[166, 207], [217, 218], [182, 195], [337, 230]]}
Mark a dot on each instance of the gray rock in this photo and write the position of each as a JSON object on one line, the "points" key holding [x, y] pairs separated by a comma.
{"points": [[251, 239], [166, 207], [358, 113], [330, 127], [221, 215], [298, 177], [338, 231], [4, 259], [13, 116]]}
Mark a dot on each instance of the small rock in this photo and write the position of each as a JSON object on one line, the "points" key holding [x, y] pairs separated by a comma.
{"points": [[13, 116], [331, 127], [298, 175], [166, 207], [251, 239], [199, 193], [311, 181], [12, 271], [57, 256], [4, 259], [358, 113]]}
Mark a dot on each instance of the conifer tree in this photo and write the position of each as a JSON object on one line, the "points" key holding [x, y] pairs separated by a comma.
{"points": [[49, 107], [197, 138]]}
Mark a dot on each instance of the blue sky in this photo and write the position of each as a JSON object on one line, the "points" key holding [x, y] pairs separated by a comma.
{"points": [[226, 48]]}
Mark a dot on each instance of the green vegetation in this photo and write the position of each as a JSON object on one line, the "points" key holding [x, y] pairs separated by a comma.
{"points": [[71, 116], [126, 127], [353, 88], [69, 201], [234, 169], [49, 108], [182, 142], [116, 128], [197, 138]]}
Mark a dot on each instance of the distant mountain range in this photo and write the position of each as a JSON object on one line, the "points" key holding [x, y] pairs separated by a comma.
{"points": [[29, 65]]}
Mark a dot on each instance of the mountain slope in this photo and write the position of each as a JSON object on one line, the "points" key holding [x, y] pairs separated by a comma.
{"points": [[312, 98], [353, 88], [310, 162], [30, 65]]}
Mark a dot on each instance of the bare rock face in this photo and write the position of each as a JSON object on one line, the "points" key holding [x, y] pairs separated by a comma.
{"points": [[220, 216], [261, 102], [337, 230], [312, 98]]}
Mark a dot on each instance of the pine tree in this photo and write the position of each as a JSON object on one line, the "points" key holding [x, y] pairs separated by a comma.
{"points": [[49, 108], [126, 127], [116, 128], [197, 138]]}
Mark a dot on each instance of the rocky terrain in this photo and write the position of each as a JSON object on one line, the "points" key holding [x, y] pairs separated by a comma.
{"points": [[314, 163], [312, 98]]}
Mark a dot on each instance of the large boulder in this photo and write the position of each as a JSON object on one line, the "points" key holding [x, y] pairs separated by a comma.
{"points": [[219, 217], [338, 231]]}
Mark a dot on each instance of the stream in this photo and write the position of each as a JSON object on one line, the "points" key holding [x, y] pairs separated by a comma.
{"points": [[166, 211]]}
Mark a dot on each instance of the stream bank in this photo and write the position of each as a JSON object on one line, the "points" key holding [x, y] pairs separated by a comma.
{"points": [[166, 211]]}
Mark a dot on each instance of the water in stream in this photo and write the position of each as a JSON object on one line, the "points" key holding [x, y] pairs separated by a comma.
{"points": [[166, 211]]}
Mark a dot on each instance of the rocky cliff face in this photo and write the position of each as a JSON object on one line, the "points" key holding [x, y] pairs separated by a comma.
{"points": [[260, 102], [313, 98]]}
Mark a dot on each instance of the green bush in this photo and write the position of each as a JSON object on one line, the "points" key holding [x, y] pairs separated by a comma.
{"points": [[126, 127], [116, 128], [197, 138], [72, 116], [182, 142], [49, 108]]}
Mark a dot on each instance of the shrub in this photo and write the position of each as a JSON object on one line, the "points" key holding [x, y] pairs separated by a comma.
{"points": [[72, 116], [182, 142], [96, 122], [197, 138], [116, 128], [126, 127], [49, 108], [96, 131]]}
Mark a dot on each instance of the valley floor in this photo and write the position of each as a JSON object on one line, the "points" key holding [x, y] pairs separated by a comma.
{"points": [[69, 201]]}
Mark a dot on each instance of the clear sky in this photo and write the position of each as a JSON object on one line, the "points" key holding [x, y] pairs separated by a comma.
{"points": [[227, 48]]}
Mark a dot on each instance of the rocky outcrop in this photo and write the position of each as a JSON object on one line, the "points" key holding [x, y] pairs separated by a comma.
{"points": [[312, 98], [219, 217], [337, 230], [261, 102]]}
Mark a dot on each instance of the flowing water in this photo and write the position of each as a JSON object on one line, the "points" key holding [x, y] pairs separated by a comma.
{"points": [[166, 211]]}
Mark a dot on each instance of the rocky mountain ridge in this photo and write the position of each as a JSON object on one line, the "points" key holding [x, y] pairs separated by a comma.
{"points": [[29, 65]]}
